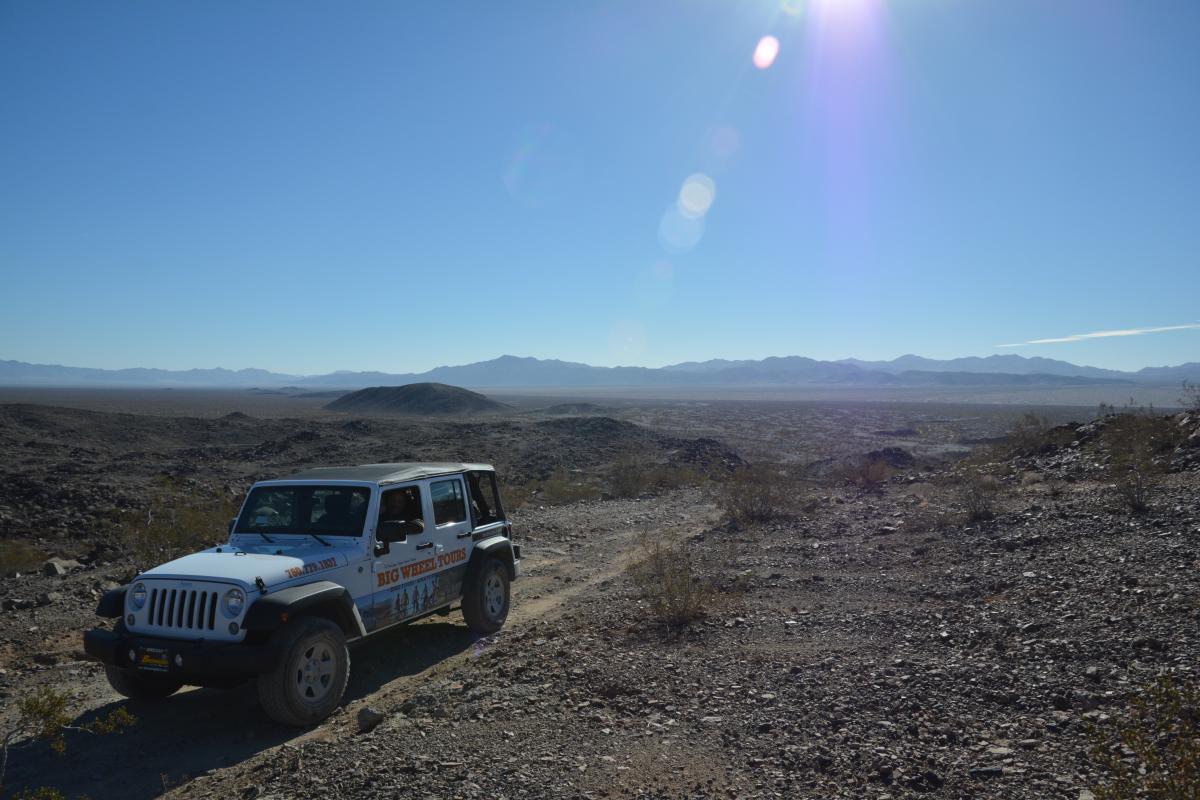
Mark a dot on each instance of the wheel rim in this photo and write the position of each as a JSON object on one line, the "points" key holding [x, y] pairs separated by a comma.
{"points": [[493, 596], [314, 673]]}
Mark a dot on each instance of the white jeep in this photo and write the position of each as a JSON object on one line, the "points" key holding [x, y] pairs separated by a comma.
{"points": [[313, 561]]}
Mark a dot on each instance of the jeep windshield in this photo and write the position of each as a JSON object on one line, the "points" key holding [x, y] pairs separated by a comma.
{"points": [[308, 510]]}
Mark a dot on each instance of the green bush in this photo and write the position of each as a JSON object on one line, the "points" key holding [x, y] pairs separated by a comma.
{"points": [[18, 556], [174, 522], [42, 717], [1153, 751], [562, 488], [632, 476]]}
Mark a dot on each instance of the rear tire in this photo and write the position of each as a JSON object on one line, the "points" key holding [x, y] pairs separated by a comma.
{"points": [[486, 598], [310, 679], [141, 686]]}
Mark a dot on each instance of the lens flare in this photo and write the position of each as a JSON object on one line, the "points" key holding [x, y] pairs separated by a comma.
{"points": [[766, 51], [697, 195], [679, 234], [791, 7]]}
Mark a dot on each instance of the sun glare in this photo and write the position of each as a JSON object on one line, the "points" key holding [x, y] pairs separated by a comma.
{"points": [[766, 51]]}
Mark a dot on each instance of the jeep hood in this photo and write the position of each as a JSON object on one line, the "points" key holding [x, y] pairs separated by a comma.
{"points": [[246, 566]]}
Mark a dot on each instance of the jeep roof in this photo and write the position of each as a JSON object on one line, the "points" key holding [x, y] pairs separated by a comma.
{"points": [[384, 473]]}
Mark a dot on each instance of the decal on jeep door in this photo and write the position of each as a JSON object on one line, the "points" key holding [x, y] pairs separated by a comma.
{"points": [[396, 599]]}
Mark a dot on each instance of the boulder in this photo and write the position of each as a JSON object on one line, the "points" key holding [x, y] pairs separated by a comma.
{"points": [[58, 567]]}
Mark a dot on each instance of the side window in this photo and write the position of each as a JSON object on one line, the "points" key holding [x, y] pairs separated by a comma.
{"points": [[402, 505], [485, 504], [449, 505]]}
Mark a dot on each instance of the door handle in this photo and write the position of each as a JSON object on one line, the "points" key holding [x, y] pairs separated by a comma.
{"points": [[425, 546]]}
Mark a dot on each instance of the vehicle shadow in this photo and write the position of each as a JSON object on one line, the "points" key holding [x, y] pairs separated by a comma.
{"points": [[200, 730]]}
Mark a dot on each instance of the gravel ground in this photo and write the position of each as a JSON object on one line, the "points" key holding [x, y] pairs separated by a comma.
{"points": [[857, 650]]}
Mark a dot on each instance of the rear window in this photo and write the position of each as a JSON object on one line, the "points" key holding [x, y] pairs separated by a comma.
{"points": [[330, 510]]}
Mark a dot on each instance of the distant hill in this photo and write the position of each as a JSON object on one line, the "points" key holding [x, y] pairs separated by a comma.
{"points": [[416, 398], [516, 372]]}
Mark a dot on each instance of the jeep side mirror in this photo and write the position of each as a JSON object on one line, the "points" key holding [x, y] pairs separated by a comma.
{"points": [[232, 525], [395, 530]]}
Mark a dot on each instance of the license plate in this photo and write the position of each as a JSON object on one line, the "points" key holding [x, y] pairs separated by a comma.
{"points": [[152, 659]]}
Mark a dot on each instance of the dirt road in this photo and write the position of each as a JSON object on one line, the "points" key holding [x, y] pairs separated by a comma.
{"points": [[569, 552]]}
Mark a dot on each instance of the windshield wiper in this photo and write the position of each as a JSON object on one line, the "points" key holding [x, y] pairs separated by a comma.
{"points": [[318, 538], [268, 538]]}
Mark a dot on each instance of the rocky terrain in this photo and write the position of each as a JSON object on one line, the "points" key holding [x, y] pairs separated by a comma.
{"points": [[875, 642]]}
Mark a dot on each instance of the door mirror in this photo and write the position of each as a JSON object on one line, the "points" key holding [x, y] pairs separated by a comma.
{"points": [[396, 530]]}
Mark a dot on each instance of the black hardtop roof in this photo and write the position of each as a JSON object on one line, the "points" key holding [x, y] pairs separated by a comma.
{"points": [[385, 473]]}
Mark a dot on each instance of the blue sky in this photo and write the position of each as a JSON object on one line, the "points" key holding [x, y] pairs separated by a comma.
{"points": [[308, 186]]}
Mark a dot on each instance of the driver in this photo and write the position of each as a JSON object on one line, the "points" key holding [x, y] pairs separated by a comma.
{"points": [[402, 505]]}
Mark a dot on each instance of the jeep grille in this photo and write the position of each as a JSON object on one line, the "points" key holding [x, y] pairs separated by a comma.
{"points": [[182, 609]]}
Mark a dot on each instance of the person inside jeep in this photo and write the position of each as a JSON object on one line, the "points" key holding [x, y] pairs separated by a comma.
{"points": [[401, 511]]}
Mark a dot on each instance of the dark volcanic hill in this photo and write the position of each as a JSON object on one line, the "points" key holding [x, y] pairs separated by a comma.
{"points": [[415, 398]]}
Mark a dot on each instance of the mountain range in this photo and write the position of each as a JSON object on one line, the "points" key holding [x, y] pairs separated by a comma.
{"points": [[517, 372]]}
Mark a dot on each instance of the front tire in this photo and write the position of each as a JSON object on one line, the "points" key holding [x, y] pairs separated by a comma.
{"points": [[140, 686], [310, 679], [486, 599]]}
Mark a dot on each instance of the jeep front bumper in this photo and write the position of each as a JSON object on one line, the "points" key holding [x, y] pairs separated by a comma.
{"points": [[191, 662]]}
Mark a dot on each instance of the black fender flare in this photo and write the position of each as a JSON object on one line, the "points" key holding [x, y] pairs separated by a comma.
{"points": [[273, 610], [112, 603], [498, 547]]}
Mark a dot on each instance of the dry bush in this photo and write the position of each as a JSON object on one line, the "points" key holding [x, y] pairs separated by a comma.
{"points": [[759, 494], [977, 493], [514, 495], [631, 476], [1191, 396], [175, 522], [1028, 434], [1154, 751], [868, 474], [18, 556], [665, 576], [562, 488], [42, 717], [928, 518], [1134, 439]]}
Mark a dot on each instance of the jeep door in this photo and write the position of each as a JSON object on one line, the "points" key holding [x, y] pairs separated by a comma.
{"points": [[404, 517], [451, 535]]}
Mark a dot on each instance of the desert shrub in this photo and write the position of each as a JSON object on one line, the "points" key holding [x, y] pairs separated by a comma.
{"points": [[977, 492], [632, 476], [42, 717], [18, 556], [1028, 434], [1134, 439], [175, 521], [1191, 396], [758, 494], [514, 495], [665, 576], [929, 518], [563, 488], [1153, 751], [868, 474]]}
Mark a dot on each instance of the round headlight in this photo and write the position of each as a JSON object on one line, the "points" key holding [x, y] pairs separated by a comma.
{"points": [[235, 601], [137, 598]]}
